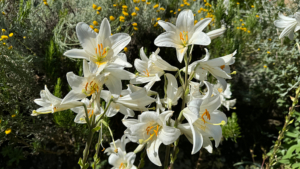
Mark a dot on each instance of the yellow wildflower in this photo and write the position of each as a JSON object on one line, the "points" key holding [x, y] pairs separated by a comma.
{"points": [[258, 49], [125, 13], [14, 115], [265, 66], [95, 23], [46, 3], [114, 5], [94, 6], [257, 16], [155, 25], [148, 3], [137, 9], [237, 3], [3, 30], [112, 18], [125, 49], [134, 24], [24, 37], [3, 13], [204, 0], [143, 0], [162, 9], [98, 12], [10, 47], [249, 31], [268, 52], [187, 4], [7, 131], [243, 24], [135, 28], [166, 20], [96, 30], [195, 22], [122, 19], [174, 13], [182, 5], [252, 6], [199, 11], [4, 37], [155, 6], [201, 19], [270, 39], [158, 19], [133, 14], [4, 43], [171, 11], [245, 29], [238, 28], [179, 10], [124, 7], [92, 26], [241, 20], [99, 8]]}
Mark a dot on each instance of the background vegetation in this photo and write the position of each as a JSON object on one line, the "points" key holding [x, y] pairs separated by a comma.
{"points": [[267, 73]]}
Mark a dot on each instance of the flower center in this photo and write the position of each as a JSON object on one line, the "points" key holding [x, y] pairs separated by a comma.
{"points": [[184, 38], [122, 166], [222, 67], [220, 90], [90, 88], [147, 73], [206, 113], [101, 53]]}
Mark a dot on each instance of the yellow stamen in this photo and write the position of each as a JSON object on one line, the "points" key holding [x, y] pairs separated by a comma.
{"points": [[222, 67], [184, 37], [206, 113], [220, 90]]}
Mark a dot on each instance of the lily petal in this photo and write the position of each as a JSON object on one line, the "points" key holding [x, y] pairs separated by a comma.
{"points": [[86, 36]]}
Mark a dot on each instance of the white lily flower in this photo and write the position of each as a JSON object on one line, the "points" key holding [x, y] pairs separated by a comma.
{"points": [[120, 145], [120, 159], [150, 128], [225, 94], [173, 92], [99, 48], [114, 74], [182, 35], [204, 121], [93, 108], [218, 67], [150, 69], [126, 104], [83, 87], [52, 104], [290, 25], [216, 33]]}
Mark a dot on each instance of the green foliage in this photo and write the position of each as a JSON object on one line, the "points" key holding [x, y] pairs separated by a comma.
{"points": [[231, 129], [14, 155]]}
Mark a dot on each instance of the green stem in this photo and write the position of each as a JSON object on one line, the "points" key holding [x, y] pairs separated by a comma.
{"points": [[180, 117], [90, 137], [105, 110], [167, 157], [281, 135], [142, 161], [87, 119]]}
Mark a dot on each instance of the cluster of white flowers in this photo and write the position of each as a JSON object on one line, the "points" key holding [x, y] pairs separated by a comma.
{"points": [[103, 64]]}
